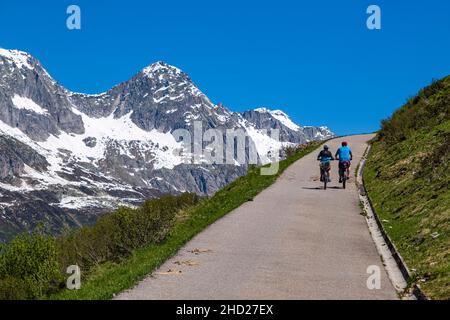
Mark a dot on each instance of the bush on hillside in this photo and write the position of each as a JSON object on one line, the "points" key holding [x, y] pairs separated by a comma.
{"points": [[291, 150], [28, 267], [33, 265], [116, 235]]}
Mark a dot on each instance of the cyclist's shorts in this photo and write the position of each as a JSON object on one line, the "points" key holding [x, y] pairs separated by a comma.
{"points": [[344, 164], [325, 165]]}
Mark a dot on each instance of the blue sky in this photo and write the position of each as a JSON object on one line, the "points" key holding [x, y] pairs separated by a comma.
{"points": [[314, 59]]}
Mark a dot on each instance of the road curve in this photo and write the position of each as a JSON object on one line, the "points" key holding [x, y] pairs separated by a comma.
{"points": [[294, 241]]}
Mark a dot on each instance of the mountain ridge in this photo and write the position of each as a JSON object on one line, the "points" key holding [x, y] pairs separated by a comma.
{"points": [[82, 154]]}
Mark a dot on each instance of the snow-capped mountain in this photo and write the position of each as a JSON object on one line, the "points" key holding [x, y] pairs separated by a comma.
{"points": [[263, 118], [68, 157]]}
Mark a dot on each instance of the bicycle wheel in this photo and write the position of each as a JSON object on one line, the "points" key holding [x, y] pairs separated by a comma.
{"points": [[344, 180]]}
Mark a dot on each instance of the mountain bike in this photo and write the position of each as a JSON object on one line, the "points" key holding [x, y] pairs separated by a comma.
{"points": [[325, 168], [344, 172]]}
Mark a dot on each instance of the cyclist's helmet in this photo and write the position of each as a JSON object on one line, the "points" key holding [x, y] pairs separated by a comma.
{"points": [[344, 143], [325, 147]]}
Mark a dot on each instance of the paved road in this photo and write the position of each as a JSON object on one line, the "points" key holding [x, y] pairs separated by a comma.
{"points": [[294, 241]]}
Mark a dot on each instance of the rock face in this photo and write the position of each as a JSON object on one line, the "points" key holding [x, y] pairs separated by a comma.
{"points": [[31, 100], [66, 158], [15, 156]]}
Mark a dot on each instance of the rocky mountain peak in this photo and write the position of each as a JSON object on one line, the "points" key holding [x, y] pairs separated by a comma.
{"points": [[17, 58], [66, 157], [160, 68], [31, 101], [164, 79]]}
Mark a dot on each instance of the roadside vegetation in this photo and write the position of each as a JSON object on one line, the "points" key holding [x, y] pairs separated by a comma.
{"points": [[123, 246], [407, 177]]}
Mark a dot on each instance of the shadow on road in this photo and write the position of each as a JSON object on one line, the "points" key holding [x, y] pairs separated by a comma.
{"points": [[321, 188]]}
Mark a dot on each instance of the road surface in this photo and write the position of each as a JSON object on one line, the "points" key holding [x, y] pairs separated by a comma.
{"points": [[294, 241]]}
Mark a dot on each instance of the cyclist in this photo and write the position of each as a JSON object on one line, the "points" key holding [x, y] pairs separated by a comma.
{"points": [[325, 156], [344, 154]]}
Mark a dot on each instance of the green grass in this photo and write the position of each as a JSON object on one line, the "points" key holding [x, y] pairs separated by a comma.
{"points": [[407, 176], [111, 278]]}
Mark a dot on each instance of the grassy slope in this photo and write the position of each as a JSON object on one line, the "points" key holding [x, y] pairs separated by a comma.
{"points": [[408, 180], [111, 278]]}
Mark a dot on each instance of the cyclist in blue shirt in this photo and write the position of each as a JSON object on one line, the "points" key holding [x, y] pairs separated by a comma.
{"points": [[344, 154]]}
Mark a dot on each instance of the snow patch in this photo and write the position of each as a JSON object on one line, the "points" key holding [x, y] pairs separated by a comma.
{"points": [[27, 104], [122, 131], [285, 120], [262, 110], [266, 147], [83, 202], [128, 138], [280, 116], [158, 67], [19, 58]]}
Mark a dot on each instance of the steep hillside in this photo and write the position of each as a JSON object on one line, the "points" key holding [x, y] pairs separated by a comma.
{"points": [[408, 180]]}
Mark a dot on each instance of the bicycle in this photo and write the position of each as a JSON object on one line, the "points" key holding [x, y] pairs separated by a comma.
{"points": [[344, 172], [325, 168]]}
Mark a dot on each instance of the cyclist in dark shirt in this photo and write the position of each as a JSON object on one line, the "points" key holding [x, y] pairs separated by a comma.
{"points": [[325, 156]]}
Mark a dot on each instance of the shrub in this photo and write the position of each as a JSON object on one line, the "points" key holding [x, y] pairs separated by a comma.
{"points": [[116, 235], [290, 150], [33, 265], [14, 289], [28, 267]]}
